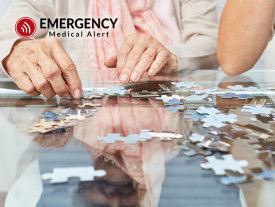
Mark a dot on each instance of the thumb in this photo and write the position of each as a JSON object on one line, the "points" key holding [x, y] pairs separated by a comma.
{"points": [[111, 62]]}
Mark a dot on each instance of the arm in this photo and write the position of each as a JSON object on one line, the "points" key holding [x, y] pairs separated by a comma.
{"points": [[199, 35], [243, 34]]}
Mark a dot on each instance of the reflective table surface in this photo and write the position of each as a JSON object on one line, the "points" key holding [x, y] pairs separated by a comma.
{"points": [[147, 173]]}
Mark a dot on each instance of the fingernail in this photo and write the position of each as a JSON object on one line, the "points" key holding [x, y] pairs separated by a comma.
{"points": [[134, 76], [124, 77], [151, 71], [77, 93], [66, 95]]}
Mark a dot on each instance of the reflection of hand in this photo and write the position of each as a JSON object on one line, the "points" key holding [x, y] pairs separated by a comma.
{"points": [[43, 66], [138, 53]]}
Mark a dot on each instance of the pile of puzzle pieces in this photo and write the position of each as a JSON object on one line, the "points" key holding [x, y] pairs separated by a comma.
{"points": [[223, 122]]}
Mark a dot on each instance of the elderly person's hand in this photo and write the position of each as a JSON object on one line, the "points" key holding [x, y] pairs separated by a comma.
{"points": [[43, 67], [140, 53]]}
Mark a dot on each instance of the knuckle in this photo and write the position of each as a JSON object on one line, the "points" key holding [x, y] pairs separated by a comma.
{"points": [[69, 66], [149, 55], [147, 36], [43, 84], [54, 39], [123, 53], [30, 89], [135, 54], [130, 36], [51, 73]]}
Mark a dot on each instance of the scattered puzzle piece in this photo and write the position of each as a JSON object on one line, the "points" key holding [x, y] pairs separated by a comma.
{"points": [[92, 96], [208, 110], [173, 108], [236, 134], [112, 138], [218, 119], [146, 134], [213, 145], [228, 163], [166, 98], [174, 101], [227, 180], [195, 98], [194, 115], [258, 109], [50, 116], [61, 175], [265, 145], [192, 149], [184, 85], [265, 175], [199, 138], [201, 91]]}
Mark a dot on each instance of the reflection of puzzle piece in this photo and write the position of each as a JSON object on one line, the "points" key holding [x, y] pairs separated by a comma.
{"points": [[194, 115], [201, 91], [102, 92], [184, 85], [258, 109], [265, 145], [240, 87], [227, 180], [265, 120], [229, 95], [199, 138], [265, 175], [221, 130], [195, 98], [112, 138], [228, 163], [208, 110], [192, 149], [218, 119], [213, 145], [50, 116], [38, 129], [118, 90], [51, 124], [236, 134], [76, 114], [93, 96], [90, 104], [173, 108], [174, 101], [166, 98], [61, 175], [149, 134]]}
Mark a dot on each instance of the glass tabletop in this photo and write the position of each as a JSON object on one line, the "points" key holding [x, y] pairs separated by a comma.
{"points": [[88, 160]]}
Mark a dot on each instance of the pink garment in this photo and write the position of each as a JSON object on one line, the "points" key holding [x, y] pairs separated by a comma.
{"points": [[133, 17], [165, 12]]}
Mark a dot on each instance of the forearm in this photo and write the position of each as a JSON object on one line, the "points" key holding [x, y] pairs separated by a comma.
{"points": [[243, 33]]}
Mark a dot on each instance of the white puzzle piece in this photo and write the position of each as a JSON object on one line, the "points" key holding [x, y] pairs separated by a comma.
{"points": [[61, 175], [228, 163]]}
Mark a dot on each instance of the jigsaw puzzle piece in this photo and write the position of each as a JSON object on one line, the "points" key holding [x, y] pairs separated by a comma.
{"points": [[258, 109], [184, 85], [194, 115], [61, 175], [193, 149], [173, 108], [213, 145], [50, 116], [227, 180], [174, 101], [202, 91], [208, 110], [227, 163], [195, 97], [265, 175], [166, 98]]}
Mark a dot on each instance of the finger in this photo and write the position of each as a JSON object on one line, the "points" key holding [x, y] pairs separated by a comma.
{"points": [[135, 55], [143, 65], [122, 56], [111, 62], [68, 69], [162, 58], [39, 81], [23, 81], [53, 75]]}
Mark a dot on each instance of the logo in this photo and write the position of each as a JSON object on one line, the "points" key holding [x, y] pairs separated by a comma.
{"points": [[25, 27]]}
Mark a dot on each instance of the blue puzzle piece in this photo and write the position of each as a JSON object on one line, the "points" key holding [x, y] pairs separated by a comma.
{"points": [[173, 108], [243, 96], [227, 95], [50, 116], [227, 180], [174, 101], [267, 175], [195, 115]]}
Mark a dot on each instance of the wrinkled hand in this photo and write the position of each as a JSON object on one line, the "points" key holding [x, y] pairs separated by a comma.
{"points": [[43, 67], [140, 53]]}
